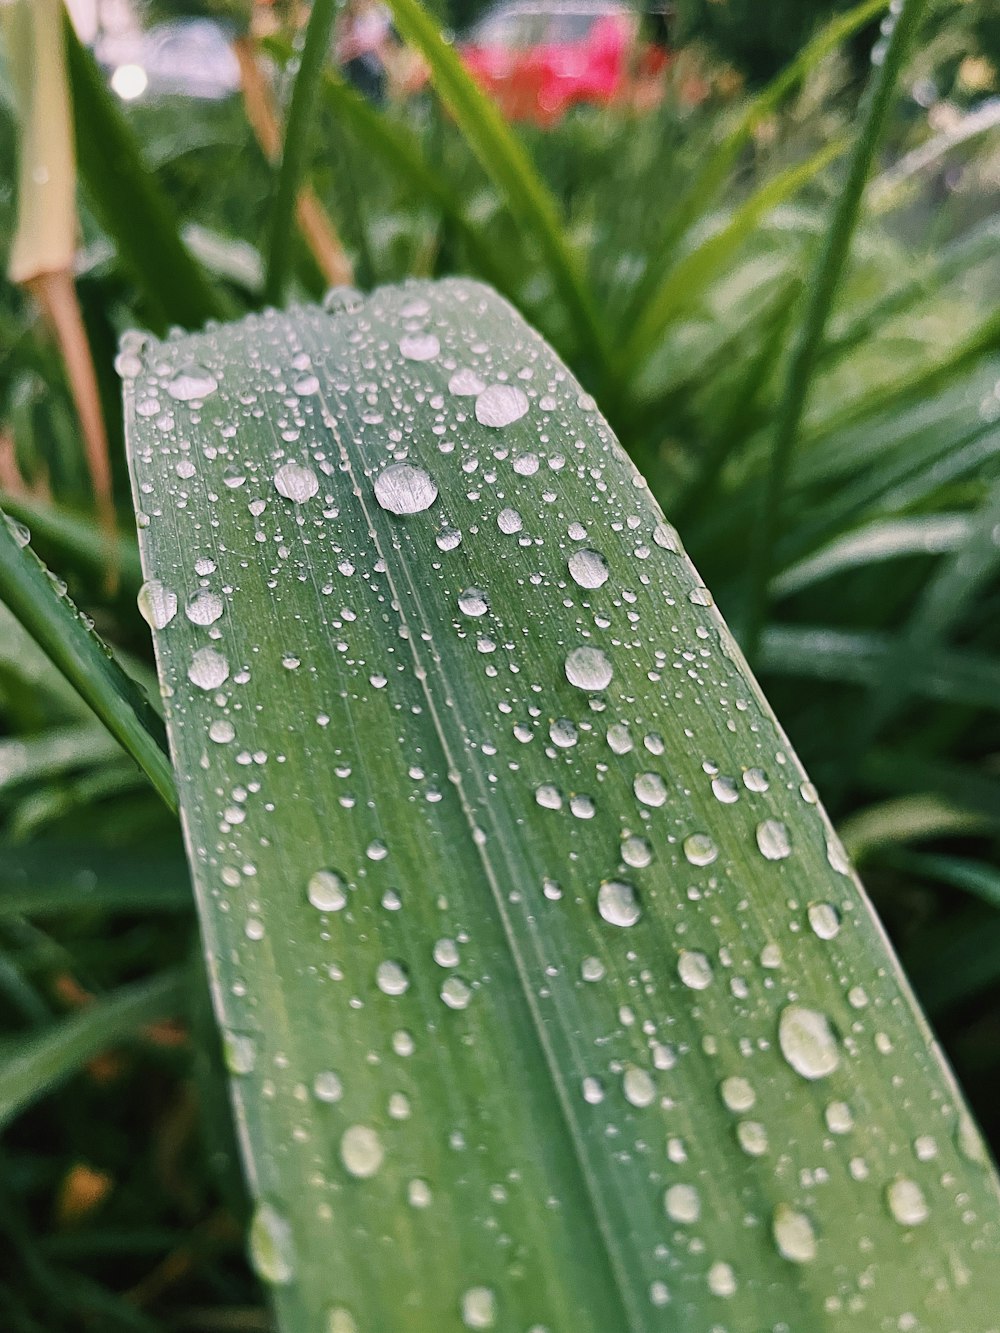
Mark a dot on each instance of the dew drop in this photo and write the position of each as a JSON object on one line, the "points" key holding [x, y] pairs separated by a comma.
{"points": [[479, 1308], [473, 602], [588, 668], [639, 1088], [500, 405], [699, 849], [456, 993], [752, 1137], [737, 1093], [807, 1041], [509, 521], [773, 840], [682, 1204], [824, 919], [270, 1244], [793, 1234], [618, 903], [694, 969], [296, 482], [419, 347], [208, 669], [839, 1118], [404, 489], [722, 1280], [157, 604], [306, 386], [239, 1053], [339, 1320], [327, 891], [204, 607], [588, 568], [327, 1087], [464, 383], [906, 1202], [361, 1151], [192, 382], [650, 789], [392, 977]]}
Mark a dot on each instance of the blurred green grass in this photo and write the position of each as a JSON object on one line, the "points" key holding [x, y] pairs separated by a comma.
{"points": [[119, 1197]]}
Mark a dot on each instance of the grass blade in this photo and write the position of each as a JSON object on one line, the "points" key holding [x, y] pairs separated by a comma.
{"points": [[130, 204], [826, 278], [498, 898], [32, 1065], [53, 879], [295, 147], [61, 632], [505, 161]]}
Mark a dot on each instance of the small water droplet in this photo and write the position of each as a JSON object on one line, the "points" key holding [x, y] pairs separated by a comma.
{"points": [[807, 1041], [699, 849], [473, 602], [682, 1204], [752, 1137], [618, 903], [509, 521], [694, 969], [419, 347], [296, 482], [479, 1308], [204, 607], [650, 789], [906, 1202], [327, 1087], [638, 1087], [456, 993], [157, 604], [464, 383], [339, 1320], [588, 668], [404, 489], [824, 919], [500, 405], [722, 1280], [392, 977]]}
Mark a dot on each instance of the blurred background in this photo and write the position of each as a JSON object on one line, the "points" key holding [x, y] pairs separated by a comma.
{"points": [[694, 153]]}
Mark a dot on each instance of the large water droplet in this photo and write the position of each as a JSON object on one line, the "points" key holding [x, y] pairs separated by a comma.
{"points": [[479, 1308], [722, 1280], [392, 978], [192, 382], [824, 919], [208, 669], [509, 521], [618, 903], [588, 568], [906, 1202], [793, 1234], [327, 891], [682, 1204], [650, 789], [296, 482], [638, 1087], [807, 1041], [588, 668], [500, 405], [773, 840], [419, 347], [157, 604], [204, 607], [699, 849], [327, 1086], [694, 969], [270, 1241], [404, 489], [473, 602], [464, 383], [361, 1151], [339, 1320]]}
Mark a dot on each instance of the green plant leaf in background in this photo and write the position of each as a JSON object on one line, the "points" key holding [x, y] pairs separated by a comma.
{"points": [[549, 997]]}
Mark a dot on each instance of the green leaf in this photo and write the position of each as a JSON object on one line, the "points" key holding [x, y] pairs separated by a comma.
{"points": [[30, 1066], [504, 159], [974, 877], [75, 539], [531, 948], [71, 644], [130, 204], [53, 878]]}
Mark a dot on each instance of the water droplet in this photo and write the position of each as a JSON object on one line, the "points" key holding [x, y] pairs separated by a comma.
{"points": [[157, 604], [296, 482], [392, 978], [473, 602], [639, 1088], [509, 521], [618, 903], [839, 1118], [737, 1093], [192, 382], [500, 405], [588, 668], [449, 539], [239, 1053], [404, 489], [327, 1087], [419, 347], [752, 1137], [204, 607], [479, 1308], [699, 849], [464, 383], [694, 969], [563, 733], [722, 1280], [666, 537], [592, 969], [446, 953], [636, 852], [824, 919], [306, 386], [906, 1202], [208, 669], [339, 1320], [650, 789], [793, 1234], [548, 796], [418, 1193], [270, 1241], [807, 1041], [773, 840], [593, 1090], [327, 891], [456, 993], [588, 568], [682, 1203], [361, 1151]]}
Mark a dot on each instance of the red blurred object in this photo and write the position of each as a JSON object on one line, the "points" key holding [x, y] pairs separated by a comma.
{"points": [[537, 59]]}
